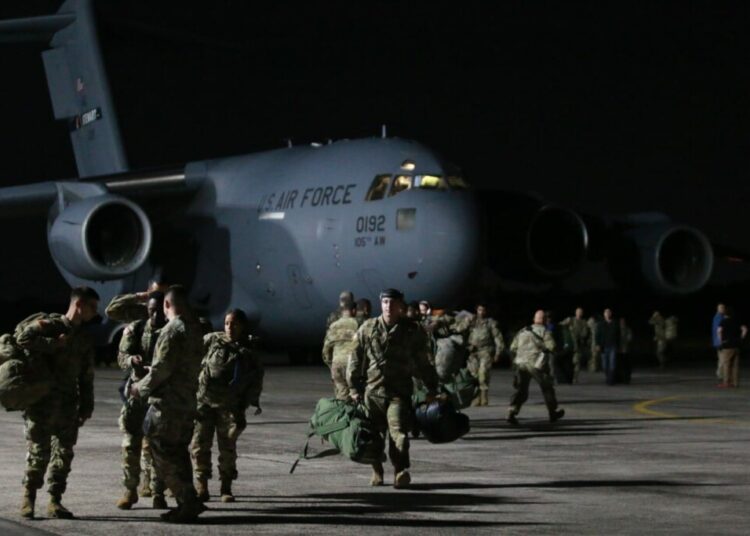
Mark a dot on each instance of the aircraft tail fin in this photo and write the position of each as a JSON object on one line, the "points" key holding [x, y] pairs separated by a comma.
{"points": [[77, 83]]}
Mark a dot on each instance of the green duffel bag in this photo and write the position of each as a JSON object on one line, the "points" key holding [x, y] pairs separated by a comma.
{"points": [[462, 389], [349, 431]]}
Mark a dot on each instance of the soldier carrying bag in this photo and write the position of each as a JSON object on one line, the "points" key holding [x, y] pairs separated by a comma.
{"points": [[348, 429]]}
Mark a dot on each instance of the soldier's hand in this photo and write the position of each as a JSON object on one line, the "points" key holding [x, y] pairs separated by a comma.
{"points": [[134, 393], [136, 360], [142, 296], [356, 397]]}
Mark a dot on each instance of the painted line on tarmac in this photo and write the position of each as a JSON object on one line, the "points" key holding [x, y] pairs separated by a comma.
{"points": [[644, 408]]}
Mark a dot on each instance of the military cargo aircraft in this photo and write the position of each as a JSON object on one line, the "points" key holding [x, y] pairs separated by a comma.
{"points": [[280, 233]]}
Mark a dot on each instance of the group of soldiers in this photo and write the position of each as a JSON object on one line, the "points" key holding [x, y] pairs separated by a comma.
{"points": [[184, 384]]}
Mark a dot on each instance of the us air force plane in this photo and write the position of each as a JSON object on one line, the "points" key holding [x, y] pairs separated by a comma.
{"points": [[281, 233]]}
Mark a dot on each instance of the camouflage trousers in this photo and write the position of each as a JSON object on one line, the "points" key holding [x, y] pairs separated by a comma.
{"points": [[338, 375], [228, 425], [169, 432], [392, 415], [578, 359], [595, 361], [51, 428], [521, 381], [480, 366], [137, 458], [661, 351]]}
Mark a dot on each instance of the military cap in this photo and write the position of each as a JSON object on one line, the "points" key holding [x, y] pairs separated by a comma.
{"points": [[392, 293], [346, 295]]}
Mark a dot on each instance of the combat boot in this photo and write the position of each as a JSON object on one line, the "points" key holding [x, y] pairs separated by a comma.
{"points": [[127, 501], [377, 474], [145, 490], [159, 502], [477, 401], [185, 513], [56, 510], [27, 503], [402, 479], [511, 417], [556, 415], [202, 489], [226, 491]]}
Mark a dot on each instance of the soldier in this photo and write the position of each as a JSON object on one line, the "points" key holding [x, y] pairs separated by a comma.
{"points": [[412, 311], [581, 334], [660, 337], [608, 344], [485, 346], [132, 307], [532, 346], [231, 380], [364, 310], [52, 424], [388, 351], [595, 353], [337, 348], [135, 355], [346, 298], [171, 386]]}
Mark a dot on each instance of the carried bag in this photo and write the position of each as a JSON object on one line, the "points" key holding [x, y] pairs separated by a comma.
{"points": [[440, 422], [20, 385], [349, 431]]}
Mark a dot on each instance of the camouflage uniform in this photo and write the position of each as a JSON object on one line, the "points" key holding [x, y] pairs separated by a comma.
{"points": [[383, 361], [171, 386], [138, 338], [660, 337], [581, 334], [595, 354], [230, 381], [337, 348], [52, 423], [485, 343], [127, 308], [332, 317], [528, 346]]}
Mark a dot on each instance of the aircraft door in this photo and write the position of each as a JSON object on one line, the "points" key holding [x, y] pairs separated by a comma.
{"points": [[298, 282]]}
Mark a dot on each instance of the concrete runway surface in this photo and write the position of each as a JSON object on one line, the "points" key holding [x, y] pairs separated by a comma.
{"points": [[667, 454]]}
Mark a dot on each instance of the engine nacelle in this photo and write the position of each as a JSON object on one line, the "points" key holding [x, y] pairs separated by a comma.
{"points": [[531, 240], [668, 257], [100, 238]]}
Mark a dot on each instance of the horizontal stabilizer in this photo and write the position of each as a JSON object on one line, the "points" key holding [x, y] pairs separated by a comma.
{"points": [[34, 29]]}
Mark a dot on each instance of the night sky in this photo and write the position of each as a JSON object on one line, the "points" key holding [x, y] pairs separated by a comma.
{"points": [[605, 108]]}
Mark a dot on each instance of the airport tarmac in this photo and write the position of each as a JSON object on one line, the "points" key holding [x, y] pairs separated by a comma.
{"points": [[667, 454]]}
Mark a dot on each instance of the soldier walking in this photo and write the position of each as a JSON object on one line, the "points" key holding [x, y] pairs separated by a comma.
{"points": [[231, 381], [337, 348], [581, 333], [171, 386], [532, 346], [485, 346], [135, 355], [660, 337], [388, 351], [51, 425]]}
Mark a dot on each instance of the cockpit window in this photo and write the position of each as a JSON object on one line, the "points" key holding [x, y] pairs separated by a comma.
{"points": [[430, 182], [457, 183], [378, 188], [400, 183]]}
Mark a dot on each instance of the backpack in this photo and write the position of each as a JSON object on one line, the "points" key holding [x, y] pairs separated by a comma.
{"points": [[440, 422], [450, 356], [19, 388], [348, 429]]}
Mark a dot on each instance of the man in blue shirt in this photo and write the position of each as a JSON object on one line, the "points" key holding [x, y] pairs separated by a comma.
{"points": [[721, 311]]}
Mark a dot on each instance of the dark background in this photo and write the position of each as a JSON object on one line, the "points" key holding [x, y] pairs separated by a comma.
{"points": [[604, 107]]}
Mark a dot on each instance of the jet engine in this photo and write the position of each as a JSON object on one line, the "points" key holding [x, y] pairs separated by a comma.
{"points": [[100, 238], [529, 239], [668, 257]]}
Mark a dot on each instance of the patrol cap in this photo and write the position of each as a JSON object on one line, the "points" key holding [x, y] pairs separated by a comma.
{"points": [[392, 293]]}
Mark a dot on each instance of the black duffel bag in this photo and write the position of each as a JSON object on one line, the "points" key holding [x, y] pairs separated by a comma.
{"points": [[439, 422]]}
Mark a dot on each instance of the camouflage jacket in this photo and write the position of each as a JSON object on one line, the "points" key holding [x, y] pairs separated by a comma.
{"points": [[437, 326], [172, 381], [529, 344], [660, 326], [339, 342], [126, 308], [332, 317], [485, 335], [671, 324], [70, 365], [579, 330], [231, 374], [138, 338], [385, 359]]}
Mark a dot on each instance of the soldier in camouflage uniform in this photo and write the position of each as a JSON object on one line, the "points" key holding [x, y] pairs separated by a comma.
{"points": [[485, 346], [346, 298], [582, 340], [531, 347], [660, 337], [595, 362], [171, 386], [364, 310], [388, 351], [231, 380], [337, 348], [51, 425], [135, 354]]}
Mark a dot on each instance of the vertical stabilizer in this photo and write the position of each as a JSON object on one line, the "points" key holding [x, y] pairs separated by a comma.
{"points": [[77, 83]]}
